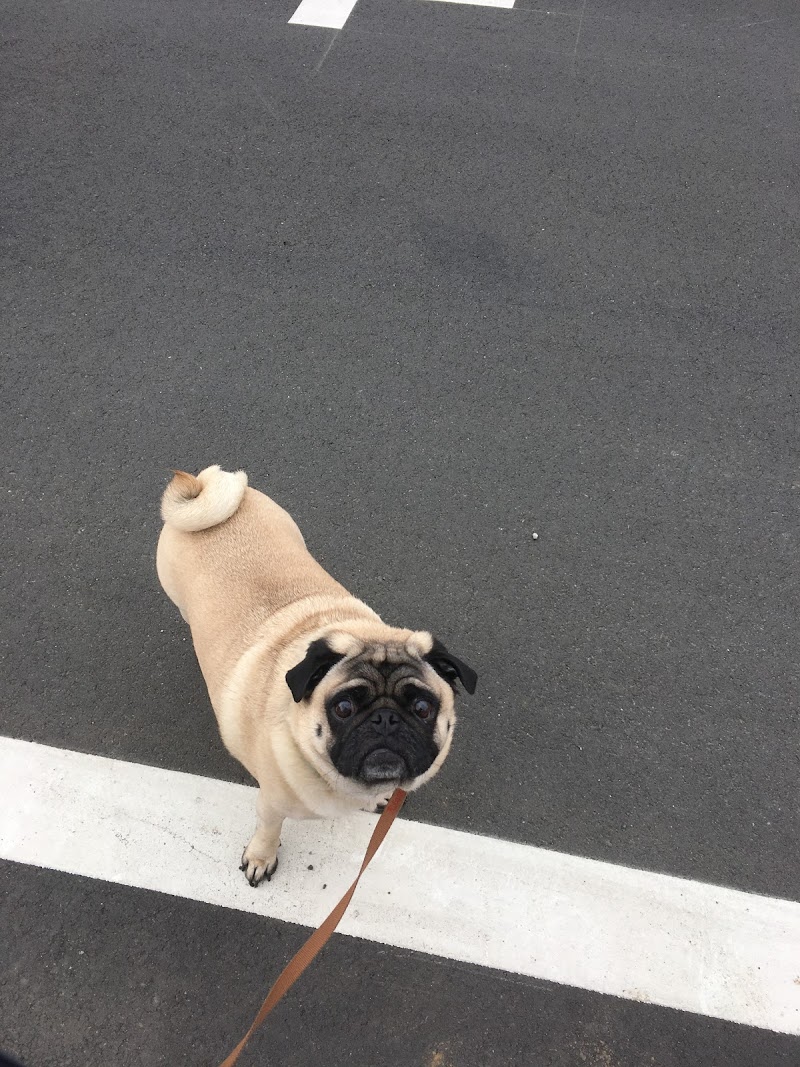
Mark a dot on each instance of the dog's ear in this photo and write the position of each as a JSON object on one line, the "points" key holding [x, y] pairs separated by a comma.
{"points": [[450, 667], [306, 676]]}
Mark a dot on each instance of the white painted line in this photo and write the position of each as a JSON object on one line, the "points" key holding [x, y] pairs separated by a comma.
{"points": [[330, 13], [634, 934], [480, 3]]}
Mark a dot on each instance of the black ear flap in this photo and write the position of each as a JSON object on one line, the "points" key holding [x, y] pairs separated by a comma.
{"points": [[306, 676], [450, 668]]}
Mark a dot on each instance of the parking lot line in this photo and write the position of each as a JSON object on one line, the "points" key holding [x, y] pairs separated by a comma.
{"points": [[480, 3], [327, 13], [580, 922], [332, 14]]}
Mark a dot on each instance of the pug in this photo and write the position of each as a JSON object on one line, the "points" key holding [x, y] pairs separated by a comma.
{"points": [[328, 707]]}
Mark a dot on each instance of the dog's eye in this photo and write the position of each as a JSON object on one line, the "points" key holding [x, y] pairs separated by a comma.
{"points": [[343, 709], [423, 708]]}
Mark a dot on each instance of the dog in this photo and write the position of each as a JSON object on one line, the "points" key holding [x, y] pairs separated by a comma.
{"points": [[328, 707]]}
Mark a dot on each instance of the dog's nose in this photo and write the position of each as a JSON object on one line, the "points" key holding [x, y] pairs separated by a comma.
{"points": [[385, 720]]}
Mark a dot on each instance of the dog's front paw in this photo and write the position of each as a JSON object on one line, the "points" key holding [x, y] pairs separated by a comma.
{"points": [[257, 868]]}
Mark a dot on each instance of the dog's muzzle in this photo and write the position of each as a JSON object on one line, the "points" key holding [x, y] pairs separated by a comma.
{"points": [[383, 765]]}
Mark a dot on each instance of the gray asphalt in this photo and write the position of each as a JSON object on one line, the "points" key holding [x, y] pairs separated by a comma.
{"points": [[443, 280]]}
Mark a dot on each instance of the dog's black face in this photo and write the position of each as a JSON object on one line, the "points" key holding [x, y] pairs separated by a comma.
{"points": [[382, 722]]}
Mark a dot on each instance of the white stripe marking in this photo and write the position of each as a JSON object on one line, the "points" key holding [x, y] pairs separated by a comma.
{"points": [[576, 921], [329, 13], [333, 14], [480, 3]]}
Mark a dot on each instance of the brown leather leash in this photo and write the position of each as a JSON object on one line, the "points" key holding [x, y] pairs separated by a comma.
{"points": [[298, 963]]}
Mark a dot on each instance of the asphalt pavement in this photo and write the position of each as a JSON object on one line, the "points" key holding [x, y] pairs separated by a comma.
{"points": [[440, 280]]}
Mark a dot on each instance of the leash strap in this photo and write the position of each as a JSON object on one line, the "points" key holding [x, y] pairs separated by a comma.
{"points": [[298, 963]]}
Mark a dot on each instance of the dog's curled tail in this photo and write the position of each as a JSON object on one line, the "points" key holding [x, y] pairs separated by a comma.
{"points": [[196, 503]]}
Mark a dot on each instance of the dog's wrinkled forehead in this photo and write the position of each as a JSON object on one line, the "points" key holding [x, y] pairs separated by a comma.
{"points": [[385, 668], [402, 656]]}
